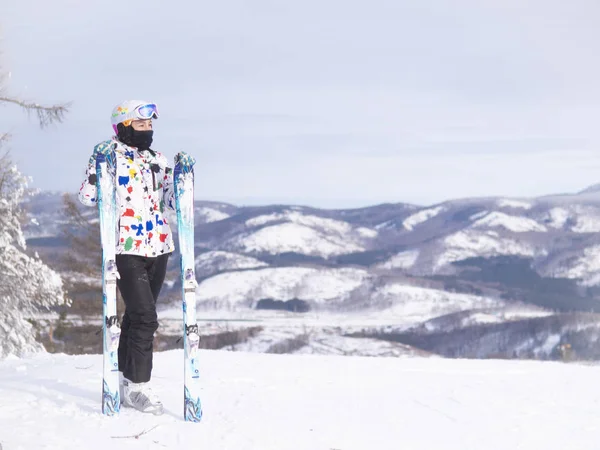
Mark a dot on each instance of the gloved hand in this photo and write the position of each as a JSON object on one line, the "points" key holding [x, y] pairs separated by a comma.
{"points": [[185, 161], [103, 148]]}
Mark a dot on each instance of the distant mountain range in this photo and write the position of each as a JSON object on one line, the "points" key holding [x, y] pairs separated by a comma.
{"points": [[391, 259], [558, 236]]}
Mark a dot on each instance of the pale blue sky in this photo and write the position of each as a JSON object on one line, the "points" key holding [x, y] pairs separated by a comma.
{"points": [[321, 102]]}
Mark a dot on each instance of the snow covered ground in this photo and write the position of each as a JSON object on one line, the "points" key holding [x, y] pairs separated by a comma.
{"points": [[309, 402]]}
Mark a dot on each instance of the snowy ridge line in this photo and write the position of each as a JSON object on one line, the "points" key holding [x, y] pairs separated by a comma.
{"points": [[420, 217], [299, 218], [210, 214], [509, 203], [512, 223], [471, 243], [402, 260], [293, 237]]}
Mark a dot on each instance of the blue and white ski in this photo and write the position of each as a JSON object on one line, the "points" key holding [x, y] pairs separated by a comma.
{"points": [[107, 207], [183, 178]]}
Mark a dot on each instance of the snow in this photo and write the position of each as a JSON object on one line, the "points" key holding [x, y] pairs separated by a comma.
{"points": [[402, 260], [218, 261], [300, 402], [472, 243], [422, 216], [585, 268], [483, 318], [525, 313], [27, 286], [551, 342], [266, 218], [479, 316], [508, 203], [512, 223], [211, 214], [330, 343], [367, 232], [320, 341], [416, 303], [588, 219], [293, 237], [478, 215], [557, 217], [330, 225], [244, 289], [293, 231], [384, 225]]}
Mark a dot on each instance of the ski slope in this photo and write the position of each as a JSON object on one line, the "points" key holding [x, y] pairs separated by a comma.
{"points": [[308, 402]]}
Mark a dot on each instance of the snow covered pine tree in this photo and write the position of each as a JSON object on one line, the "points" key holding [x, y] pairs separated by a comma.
{"points": [[27, 285]]}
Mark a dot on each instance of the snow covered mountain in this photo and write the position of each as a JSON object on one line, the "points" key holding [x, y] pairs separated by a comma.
{"points": [[397, 264], [559, 235]]}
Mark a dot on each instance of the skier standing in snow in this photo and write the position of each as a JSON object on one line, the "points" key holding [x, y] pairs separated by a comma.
{"points": [[144, 190]]}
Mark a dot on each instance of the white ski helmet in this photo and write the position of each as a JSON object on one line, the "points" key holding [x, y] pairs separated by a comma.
{"points": [[133, 110]]}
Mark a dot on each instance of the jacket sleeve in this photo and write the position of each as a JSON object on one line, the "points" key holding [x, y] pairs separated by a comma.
{"points": [[88, 191]]}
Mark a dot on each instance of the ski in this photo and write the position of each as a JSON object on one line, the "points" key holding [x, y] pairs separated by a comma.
{"points": [[107, 208], [183, 179]]}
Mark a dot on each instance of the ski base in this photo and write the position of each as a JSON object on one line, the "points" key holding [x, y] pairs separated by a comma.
{"points": [[111, 332], [184, 200]]}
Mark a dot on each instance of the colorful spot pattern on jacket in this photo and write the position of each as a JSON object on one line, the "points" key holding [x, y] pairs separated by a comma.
{"points": [[144, 188]]}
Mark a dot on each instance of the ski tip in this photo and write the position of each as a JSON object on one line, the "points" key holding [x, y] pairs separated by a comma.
{"points": [[192, 409], [194, 419]]}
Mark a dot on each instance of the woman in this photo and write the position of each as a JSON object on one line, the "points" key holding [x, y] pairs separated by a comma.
{"points": [[144, 189]]}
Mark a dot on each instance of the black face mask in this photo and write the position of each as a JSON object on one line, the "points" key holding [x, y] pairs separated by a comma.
{"points": [[142, 140]]}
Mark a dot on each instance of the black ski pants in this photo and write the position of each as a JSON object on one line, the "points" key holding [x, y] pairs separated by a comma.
{"points": [[140, 282]]}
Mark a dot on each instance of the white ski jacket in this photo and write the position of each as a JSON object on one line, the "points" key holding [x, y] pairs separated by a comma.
{"points": [[144, 188]]}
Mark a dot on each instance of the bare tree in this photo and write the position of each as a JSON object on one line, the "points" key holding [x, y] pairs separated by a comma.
{"points": [[46, 115], [79, 265], [27, 285], [83, 235]]}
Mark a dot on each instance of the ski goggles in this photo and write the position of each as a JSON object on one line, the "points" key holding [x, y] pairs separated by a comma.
{"points": [[144, 112]]}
